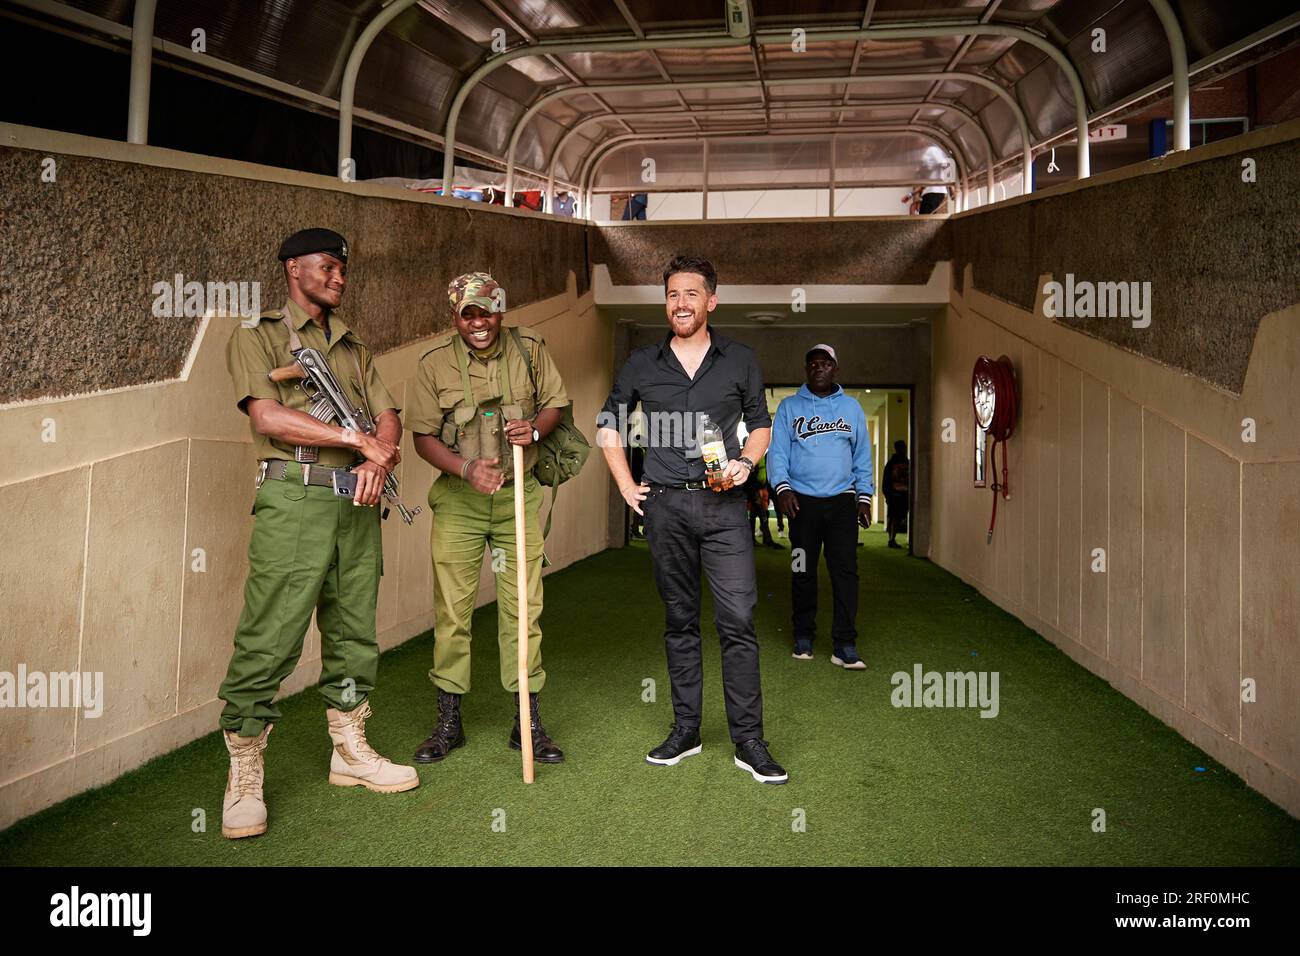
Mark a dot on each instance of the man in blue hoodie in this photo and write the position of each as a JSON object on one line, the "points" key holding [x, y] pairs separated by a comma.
{"points": [[819, 464]]}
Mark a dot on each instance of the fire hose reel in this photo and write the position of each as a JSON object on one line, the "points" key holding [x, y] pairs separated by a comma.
{"points": [[996, 404]]}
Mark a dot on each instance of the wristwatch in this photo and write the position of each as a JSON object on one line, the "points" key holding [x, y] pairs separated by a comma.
{"points": [[536, 437], [746, 462]]}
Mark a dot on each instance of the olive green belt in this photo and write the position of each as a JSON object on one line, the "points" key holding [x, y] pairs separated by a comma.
{"points": [[276, 468]]}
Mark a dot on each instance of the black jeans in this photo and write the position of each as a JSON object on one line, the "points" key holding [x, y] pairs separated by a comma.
{"points": [[830, 523], [688, 530]]}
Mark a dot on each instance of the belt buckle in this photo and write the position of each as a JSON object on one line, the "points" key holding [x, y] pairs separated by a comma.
{"points": [[261, 472], [306, 474]]}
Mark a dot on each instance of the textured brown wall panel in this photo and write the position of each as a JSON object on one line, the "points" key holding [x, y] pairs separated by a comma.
{"points": [[80, 257], [791, 253], [1219, 253]]}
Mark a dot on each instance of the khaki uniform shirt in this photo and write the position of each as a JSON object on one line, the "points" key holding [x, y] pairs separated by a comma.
{"points": [[437, 388], [255, 351]]}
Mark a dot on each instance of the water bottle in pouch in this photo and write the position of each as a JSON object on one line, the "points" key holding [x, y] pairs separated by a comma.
{"points": [[490, 436]]}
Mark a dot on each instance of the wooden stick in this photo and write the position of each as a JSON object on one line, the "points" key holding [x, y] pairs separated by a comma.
{"points": [[521, 603]]}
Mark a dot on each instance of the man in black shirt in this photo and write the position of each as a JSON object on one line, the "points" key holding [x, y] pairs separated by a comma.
{"points": [[694, 372]]}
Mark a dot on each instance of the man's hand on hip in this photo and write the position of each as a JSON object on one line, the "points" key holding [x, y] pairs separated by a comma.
{"points": [[634, 495]]}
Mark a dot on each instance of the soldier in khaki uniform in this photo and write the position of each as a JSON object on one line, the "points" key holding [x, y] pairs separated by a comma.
{"points": [[475, 395], [311, 549]]}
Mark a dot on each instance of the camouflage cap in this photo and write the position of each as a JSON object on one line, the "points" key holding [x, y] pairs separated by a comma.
{"points": [[476, 288]]}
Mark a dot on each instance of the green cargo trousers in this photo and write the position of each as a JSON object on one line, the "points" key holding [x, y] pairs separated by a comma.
{"points": [[464, 522], [310, 550]]}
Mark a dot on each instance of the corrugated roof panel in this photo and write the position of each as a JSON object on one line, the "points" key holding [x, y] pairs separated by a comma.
{"points": [[887, 10], [400, 82], [678, 14], [676, 165], [1047, 99], [769, 14], [626, 67], [923, 53], [558, 18], [890, 157], [719, 63], [769, 162], [1137, 53], [1001, 126]]}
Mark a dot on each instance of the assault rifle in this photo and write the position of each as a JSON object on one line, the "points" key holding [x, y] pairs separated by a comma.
{"points": [[329, 403]]}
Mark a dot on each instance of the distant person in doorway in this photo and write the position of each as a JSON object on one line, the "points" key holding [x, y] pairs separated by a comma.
{"points": [[932, 198], [894, 483], [636, 206], [757, 494], [820, 465]]}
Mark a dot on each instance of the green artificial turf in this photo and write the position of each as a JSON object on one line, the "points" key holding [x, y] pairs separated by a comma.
{"points": [[872, 784]]}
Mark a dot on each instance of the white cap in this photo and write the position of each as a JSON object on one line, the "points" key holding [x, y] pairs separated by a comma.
{"points": [[822, 348]]}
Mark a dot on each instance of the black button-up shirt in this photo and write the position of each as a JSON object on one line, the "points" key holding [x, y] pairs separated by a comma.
{"points": [[727, 386]]}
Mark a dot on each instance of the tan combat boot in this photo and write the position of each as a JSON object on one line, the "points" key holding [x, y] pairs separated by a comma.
{"points": [[355, 764], [243, 811]]}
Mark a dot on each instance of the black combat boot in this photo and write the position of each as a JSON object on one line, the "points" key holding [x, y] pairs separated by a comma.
{"points": [[544, 749], [448, 735]]}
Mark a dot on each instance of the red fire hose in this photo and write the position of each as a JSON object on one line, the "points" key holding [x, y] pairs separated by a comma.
{"points": [[993, 383]]}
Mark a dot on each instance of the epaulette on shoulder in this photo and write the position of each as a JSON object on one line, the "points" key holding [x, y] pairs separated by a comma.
{"points": [[441, 342], [530, 335]]}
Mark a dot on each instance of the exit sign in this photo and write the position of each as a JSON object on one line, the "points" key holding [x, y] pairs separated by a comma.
{"points": [[1104, 134]]}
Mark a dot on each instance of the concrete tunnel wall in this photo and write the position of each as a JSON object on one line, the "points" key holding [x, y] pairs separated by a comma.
{"points": [[1188, 484], [162, 632], [148, 459]]}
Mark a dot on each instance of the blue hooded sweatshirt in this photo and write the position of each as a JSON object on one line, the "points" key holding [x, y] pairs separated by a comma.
{"points": [[820, 446]]}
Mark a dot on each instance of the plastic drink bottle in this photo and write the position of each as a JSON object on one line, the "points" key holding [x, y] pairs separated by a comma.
{"points": [[714, 452]]}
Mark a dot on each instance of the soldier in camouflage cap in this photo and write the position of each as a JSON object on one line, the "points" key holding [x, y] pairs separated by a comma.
{"points": [[478, 390]]}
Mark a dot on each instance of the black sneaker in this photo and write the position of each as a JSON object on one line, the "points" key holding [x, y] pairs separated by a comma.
{"points": [[681, 742], [752, 756]]}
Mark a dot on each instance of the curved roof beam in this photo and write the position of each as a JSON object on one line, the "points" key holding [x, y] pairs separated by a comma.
{"points": [[137, 109], [674, 42], [348, 89], [947, 76], [1178, 66], [901, 31], [591, 164], [915, 31], [837, 108]]}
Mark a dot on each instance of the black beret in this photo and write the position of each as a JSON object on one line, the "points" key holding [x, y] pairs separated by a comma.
{"points": [[306, 241]]}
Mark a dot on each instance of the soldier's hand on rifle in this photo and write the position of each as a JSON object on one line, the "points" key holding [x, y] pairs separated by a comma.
{"points": [[787, 502], [519, 431], [370, 483], [380, 451], [485, 475]]}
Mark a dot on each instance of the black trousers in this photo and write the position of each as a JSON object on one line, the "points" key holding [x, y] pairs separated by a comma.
{"points": [[689, 531], [830, 524]]}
